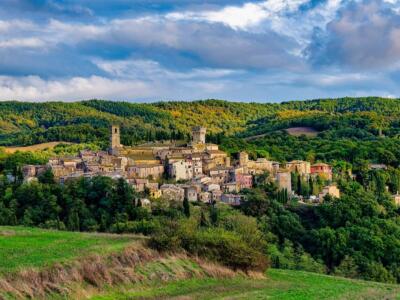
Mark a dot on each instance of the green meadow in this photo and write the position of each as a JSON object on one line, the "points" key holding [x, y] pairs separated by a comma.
{"points": [[22, 247], [278, 284]]}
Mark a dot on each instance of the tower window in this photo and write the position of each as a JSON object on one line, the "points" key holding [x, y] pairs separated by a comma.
{"points": [[115, 130]]}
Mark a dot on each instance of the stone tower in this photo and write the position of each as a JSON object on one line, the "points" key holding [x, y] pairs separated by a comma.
{"points": [[199, 135], [243, 159], [284, 180], [115, 141]]}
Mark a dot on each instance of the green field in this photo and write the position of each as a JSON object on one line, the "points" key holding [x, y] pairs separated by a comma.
{"points": [[279, 284], [166, 278], [22, 247]]}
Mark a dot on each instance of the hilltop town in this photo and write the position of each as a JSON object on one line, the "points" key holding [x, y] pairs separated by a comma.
{"points": [[197, 171]]}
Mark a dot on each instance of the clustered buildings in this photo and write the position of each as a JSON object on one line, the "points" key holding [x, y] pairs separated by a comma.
{"points": [[199, 171]]}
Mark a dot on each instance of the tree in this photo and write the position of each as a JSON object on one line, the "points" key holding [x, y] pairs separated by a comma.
{"points": [[186, 207], [203, 220], [214, 215]]}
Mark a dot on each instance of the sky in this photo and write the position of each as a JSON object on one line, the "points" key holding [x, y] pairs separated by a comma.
{"points": [[140, 50]]}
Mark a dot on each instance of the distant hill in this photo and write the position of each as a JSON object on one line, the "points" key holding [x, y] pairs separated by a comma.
{"points": [[23, 124]]}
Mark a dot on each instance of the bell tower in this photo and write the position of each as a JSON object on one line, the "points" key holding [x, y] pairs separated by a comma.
{"points": [[115, 140]]}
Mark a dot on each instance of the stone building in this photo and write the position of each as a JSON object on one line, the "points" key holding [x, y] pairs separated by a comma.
{"points": [[181, 169], [191, 193], [331, 190], [299, 166], [231, 199], [284, 180], [172, 192], [115, 140], [145, 171], [199, 135]]}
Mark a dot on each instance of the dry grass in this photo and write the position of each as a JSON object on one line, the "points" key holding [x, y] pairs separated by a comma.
{"points": [[43, 146], [98, 272], [7, 232]]}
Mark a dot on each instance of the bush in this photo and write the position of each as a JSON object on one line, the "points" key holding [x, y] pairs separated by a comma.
{"points": [[216, 244], [145, 227]]}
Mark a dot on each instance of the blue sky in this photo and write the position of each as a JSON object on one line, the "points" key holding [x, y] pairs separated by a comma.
{"points": [[142, 50]]}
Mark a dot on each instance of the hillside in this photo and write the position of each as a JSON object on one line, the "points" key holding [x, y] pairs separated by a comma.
{"points": [[48, 263], [23, 124], [88, 121]]}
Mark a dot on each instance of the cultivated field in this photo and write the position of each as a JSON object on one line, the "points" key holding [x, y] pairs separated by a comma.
{"points": [[37, 147]]}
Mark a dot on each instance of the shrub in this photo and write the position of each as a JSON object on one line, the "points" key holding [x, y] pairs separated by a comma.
{"points": [[145, 227], [216, 244]]}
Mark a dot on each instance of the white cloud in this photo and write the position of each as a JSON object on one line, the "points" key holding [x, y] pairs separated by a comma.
{"points": [[22, 43], [150, 69], [244, 17], [34, 88]]}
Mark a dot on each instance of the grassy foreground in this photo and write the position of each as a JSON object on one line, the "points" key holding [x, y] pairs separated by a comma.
{"points": [[279, 284], [22, 247], [141, 273]]}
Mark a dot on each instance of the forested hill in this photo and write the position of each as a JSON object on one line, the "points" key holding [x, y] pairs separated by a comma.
{"points": [[87, 121]]}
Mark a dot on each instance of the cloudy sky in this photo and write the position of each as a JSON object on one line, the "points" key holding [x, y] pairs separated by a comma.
{"points": [[141, 50]]}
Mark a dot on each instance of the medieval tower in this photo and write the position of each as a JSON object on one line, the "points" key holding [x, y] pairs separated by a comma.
{"points": [[243, 159], [115, 140], [199, 135]]}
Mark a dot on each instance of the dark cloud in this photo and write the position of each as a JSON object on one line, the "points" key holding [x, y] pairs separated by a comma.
{"points": [[365, 35], [214, 45], [59, 62]]}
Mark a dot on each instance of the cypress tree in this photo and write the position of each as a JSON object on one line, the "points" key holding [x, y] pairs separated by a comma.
{"points": [[214, 215], [186, 208], [203, 220]]}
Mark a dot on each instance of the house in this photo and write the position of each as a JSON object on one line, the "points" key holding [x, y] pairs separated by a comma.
{"points": [[220, 174], [231, 199], [145, 171], [33, 170], [209, 187], [155, 193], [262, 165], [197, 164], [139, 184], [216, 195], [230, 187], [172, 192], [396, 199], [181, 169], [244, 181], [205, 197], [259, 166], [299, 166], [331, 190], [322, 170], [190, 193]]}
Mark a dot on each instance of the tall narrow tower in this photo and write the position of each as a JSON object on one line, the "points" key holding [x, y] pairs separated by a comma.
{"points": [[199, 135], [243, 159], [115, 141]]}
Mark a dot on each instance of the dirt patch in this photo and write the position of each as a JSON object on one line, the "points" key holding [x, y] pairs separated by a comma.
{"points": [[7, 232], [298, 131], [36, 147]]}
